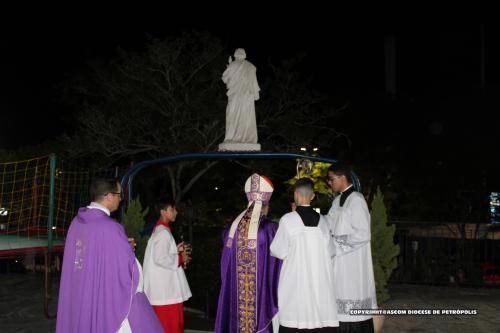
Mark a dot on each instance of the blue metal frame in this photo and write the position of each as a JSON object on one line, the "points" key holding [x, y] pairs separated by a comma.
{"points": [[128, 177]]}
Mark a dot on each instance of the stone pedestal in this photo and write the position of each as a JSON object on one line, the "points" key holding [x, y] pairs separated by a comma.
{"points": [[226, 146]]}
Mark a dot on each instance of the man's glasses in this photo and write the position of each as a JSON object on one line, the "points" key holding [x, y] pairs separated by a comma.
{"points": [[117, 193], [331, 179]]}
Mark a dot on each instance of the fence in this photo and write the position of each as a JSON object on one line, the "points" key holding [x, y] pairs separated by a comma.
{"points": [[447, 253], [38, 199]]}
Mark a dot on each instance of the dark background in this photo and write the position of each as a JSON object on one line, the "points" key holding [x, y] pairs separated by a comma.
{"points": [[439, 120]]}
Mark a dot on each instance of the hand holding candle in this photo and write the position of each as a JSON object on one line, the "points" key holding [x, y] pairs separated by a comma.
{"points": [[185, 250]]}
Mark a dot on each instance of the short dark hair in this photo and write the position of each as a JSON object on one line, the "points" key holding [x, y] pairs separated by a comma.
{"points": [[99, 187], [341, 169], [305, 187], [164, 203], [304, 183]]}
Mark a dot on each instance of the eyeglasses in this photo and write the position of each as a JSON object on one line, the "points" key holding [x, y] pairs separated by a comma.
{"points": [[117, 193], [331, 179]]}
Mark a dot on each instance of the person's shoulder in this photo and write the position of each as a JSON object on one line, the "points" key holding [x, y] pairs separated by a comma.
{"points": [[267, 223], [356, 199], [336, 199], [323, 221], [290, 217], [107, 230], [266, 219], [161, 232], [110, 225], [358, 196]]}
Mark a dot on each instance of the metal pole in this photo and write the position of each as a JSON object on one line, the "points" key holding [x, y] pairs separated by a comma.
{"points": [[50, 224], [48, 254], [128, 177]]}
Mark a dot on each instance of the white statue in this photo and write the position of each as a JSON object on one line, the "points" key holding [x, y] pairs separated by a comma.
{"points": [[242, 91]]}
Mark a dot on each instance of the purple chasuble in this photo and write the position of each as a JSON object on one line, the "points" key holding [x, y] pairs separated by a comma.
{"points": [[99, 279], [248, 298]]}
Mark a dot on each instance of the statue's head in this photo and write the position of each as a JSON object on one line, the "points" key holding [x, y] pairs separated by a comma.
{"points": [[240, 54]]}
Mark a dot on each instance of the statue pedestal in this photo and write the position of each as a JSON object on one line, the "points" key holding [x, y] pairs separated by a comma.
{"points": [[226, 146]]}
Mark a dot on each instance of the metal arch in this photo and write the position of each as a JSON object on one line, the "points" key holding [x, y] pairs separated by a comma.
{"points": [[128, 177]]}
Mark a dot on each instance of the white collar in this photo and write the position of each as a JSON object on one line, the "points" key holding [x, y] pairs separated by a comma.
{"points": [[348, 187], [96, 205]]}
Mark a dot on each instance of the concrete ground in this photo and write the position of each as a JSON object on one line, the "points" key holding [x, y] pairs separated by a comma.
{"points": [[485, 300], [21, 308]]}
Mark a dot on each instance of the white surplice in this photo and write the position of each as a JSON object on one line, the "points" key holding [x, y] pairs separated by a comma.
{"points": [[164, 280], [352, 262], [306, 294]]}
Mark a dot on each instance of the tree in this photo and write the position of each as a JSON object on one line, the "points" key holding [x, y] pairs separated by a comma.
{"points": [[133, 222], [170, 99], [291, 114], [159, 102], [384, 251]]}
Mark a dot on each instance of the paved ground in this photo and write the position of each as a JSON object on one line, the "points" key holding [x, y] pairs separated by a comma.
{"points": [[485, 301], [21, 308]]}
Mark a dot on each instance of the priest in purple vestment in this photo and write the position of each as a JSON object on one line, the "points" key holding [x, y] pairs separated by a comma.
{"points": [[248, 299], [101, 284]]}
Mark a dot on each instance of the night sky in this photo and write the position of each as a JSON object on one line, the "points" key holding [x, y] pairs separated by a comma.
{"points": [[444, 113]]}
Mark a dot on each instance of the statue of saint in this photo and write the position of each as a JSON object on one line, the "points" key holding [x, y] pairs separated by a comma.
{"points": [[242, 92]]}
